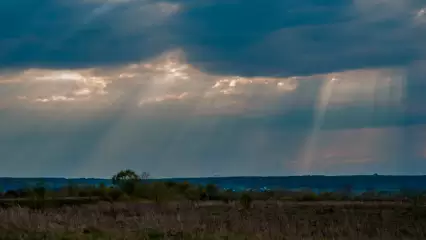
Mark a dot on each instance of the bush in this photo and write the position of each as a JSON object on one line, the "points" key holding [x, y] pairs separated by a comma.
{"points": [[246, 200], [212, 192], [193, 194], [142, 190], [183, 187], [26, 193], [308, 196], [126, 180], [101, 192], [11, 194], [159, 192], [228, 196], [84, 192], [115, 194], [72, 190], [170, 184], [40, 192]]}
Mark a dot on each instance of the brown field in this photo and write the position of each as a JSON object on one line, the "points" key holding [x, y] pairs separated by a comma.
{"points": [[214, 220]]}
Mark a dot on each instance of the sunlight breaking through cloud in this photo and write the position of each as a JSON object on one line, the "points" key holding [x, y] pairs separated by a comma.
{"points": [[370, 88], [43, 85], [336, 87], [163, 79], [169, 78]]}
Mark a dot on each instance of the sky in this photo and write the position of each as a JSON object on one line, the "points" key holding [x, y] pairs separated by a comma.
{"points": [[190, 88]]}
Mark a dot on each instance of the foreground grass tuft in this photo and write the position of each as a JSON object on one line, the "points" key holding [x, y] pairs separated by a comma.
{"points": [[216, 220]]}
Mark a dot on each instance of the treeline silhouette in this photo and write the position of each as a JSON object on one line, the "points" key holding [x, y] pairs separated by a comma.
{"points": [[130, 186]]}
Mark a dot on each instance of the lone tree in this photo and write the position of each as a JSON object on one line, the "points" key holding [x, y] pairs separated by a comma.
{"points": [[126, 180], [145, 175]]}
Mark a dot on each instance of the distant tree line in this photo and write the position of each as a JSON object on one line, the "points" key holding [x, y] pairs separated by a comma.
{"points": [[130, 186]]}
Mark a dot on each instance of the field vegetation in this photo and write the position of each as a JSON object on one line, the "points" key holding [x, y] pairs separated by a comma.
{"points": [[134, 208]]}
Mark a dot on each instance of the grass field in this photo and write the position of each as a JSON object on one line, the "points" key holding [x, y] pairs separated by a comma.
{"points": [[136, 209], [217, 220]]}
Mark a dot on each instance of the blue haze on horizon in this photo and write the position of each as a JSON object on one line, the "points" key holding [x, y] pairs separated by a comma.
{"points": [[185, 88]]}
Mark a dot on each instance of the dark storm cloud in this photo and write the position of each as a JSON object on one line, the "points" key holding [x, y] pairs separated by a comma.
{"points": [[230, 37], [265, 38], [300, 37], [67, 34]]}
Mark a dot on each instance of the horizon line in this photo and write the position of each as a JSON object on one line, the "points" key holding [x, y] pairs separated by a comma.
{"points": [[237, 176]]}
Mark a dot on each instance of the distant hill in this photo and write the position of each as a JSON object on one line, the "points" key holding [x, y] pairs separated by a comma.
{"points": [[317, 183]]}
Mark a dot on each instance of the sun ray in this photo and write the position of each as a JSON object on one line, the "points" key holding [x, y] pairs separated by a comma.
{"points": [[320, 112], [382, 91]]}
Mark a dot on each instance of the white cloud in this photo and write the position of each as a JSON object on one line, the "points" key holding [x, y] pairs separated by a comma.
{"points": [[55, 99], [170, 78], [82, 92], [46, 85], [168, 97], [420, 16]]}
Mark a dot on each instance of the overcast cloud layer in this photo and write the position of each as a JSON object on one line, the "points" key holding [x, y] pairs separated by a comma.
{"points": [[197, 88]]}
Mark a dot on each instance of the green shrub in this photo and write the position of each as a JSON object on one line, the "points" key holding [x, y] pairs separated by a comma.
{"points": [[159, 192], [228, 196], [40, 192], [246, 200], [100, 192], [124, 197], [193, 194], [212, 192], [115, 194], [11, 194], [126, 180], [26, 193], [142, 190], [308, 196], [183, 187], [84, 192], [170, 184]]}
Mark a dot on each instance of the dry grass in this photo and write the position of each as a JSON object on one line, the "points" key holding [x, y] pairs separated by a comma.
{"points": [[265, 220]]}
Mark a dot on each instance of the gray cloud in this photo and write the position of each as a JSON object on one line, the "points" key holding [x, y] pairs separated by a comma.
{"points": [[81, 33], [237, 37], [81, 91]]}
